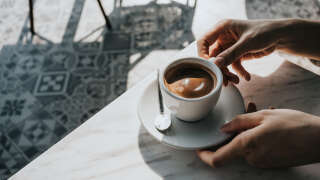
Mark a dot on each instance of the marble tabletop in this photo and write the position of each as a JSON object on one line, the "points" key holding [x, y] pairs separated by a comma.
{"points": [[113, 144]]}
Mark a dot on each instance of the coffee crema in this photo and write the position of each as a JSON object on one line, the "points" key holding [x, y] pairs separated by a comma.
{"points": [[190, 80]]}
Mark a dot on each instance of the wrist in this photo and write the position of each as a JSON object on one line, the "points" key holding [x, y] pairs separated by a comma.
{"points": [[288, 30]]}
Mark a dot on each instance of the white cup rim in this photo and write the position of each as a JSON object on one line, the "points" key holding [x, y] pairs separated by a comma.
{"points": [[208, 64]]}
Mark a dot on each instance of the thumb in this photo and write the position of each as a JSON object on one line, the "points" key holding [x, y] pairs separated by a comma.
{"points": [[232, 53], [242, 122]]}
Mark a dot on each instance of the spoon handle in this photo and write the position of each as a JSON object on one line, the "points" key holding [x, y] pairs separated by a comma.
{"points": [[159, 93]]}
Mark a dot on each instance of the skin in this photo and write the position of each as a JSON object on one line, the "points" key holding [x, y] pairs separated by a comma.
{"points": [[234, 41], [268, 138]]}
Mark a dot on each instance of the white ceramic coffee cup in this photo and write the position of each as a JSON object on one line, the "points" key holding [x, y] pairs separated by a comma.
{"points": [[192, 109]]}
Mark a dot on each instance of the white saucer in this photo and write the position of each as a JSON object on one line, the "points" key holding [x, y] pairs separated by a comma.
{"points": [[196, 135]]}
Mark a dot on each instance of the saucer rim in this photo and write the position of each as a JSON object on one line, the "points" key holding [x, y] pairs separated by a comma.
{"points": [[227, 136]]}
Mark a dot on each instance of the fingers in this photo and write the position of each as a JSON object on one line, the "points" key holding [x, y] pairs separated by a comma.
{"points": [[206, 156], [203, 48], [213, 35], [242, 122], [215, 49], [229, 76], [224, 41], [223, 155], [208, 39], [225, 80], [231, 54], [259, 54], [237, 66]]}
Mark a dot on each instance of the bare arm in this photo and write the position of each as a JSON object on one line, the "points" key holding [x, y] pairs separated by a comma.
{"points": [[302, 37], [234, 41], [268, 138]]}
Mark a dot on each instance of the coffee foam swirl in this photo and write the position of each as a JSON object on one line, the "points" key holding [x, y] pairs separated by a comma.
{"points": [[190, 80]]}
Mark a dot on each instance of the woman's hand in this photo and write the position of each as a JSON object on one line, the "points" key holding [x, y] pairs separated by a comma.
{"points": [[233, 41], [269, 139]]}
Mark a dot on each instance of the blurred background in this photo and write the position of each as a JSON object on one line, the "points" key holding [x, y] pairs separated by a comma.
{"points": [[53, 81]]}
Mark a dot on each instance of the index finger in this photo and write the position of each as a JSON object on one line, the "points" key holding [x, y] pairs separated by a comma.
{"points": [[209, 38]]}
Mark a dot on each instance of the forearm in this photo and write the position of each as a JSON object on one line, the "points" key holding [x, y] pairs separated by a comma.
{"points": [[300, 37]]}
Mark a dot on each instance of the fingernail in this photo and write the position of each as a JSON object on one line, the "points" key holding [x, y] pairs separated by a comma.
{"points": [[236, 80], [225, 127], [251, 107], [219, 61], [248, 77], [225, 81]]}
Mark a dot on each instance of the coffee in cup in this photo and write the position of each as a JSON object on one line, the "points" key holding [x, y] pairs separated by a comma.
{"points": [[190, 80], [191, 87]]}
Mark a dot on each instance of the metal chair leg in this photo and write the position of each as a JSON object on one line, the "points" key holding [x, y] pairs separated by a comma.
{"points": [[108, 23], [31, 17]]}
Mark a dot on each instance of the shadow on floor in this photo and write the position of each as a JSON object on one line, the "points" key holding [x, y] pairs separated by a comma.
{"points": [[48, 89]]}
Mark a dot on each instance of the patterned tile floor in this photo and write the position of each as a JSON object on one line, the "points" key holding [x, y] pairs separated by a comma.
{"points": [[48, 89]]}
